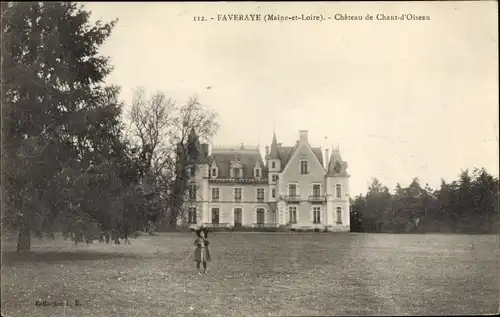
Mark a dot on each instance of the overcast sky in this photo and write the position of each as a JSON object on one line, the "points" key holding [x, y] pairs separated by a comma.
{"points": [[400, 98]]}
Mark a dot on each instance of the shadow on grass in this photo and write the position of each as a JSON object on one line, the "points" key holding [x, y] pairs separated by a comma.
{"points": [[12, 257]]}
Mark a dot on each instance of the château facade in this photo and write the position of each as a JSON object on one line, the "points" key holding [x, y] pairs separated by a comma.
{"points": [[292, 186]]}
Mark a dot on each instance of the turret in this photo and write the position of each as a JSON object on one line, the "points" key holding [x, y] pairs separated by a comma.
{"points": [[336, 166], [337, 187], [273, 160], [273, 167]]}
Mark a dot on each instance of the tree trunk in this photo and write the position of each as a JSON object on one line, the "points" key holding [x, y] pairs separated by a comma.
{"points": [[23, 239]]}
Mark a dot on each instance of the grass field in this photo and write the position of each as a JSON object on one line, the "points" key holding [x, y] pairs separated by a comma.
{"points": [[257, 274]]}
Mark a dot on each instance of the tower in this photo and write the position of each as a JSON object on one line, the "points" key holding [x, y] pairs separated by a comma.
{"points": [[274, 167], [196, 166], [337, 192]]}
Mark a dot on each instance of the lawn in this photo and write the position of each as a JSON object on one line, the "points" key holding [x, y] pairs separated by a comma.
{"points": [[258, 274]]}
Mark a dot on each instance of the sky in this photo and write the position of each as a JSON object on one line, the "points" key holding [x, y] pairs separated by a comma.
{"points": [[401, 99]]}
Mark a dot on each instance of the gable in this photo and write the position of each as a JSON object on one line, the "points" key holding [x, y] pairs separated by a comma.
{"points": [[304, 152]]}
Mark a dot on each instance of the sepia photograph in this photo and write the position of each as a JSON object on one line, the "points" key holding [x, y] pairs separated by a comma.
{"points": [[250, 158]]}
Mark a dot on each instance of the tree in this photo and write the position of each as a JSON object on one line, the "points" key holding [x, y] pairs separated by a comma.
{"points": [[169, 135], [469, 204], [151, 121], [429, 204], [378, 201], [358, 209], [444, 214], [484, 198], [462, 203], [58, 117]]}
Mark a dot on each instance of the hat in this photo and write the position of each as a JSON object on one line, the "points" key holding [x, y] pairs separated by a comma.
{"points": [[199, 230]]}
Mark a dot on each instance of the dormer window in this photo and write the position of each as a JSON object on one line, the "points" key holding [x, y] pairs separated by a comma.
{"points": [[214, 170], [273, 164], [257, 173], [236, 170]]}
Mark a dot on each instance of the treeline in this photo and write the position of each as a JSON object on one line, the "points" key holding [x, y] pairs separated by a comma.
{"points": [[466, 205]]}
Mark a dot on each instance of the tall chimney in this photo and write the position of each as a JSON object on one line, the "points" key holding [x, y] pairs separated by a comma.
{"points": [[303, 136], [326, 159], [267, 152]]}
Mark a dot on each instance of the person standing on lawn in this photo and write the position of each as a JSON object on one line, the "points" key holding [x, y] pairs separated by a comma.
{"points": [[201, 251]]}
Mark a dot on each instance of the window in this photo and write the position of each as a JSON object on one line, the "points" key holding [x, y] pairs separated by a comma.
{"points": [[273, 193], [339, 215], [274, 177], [316, 190], [257, 172], [215, 194], [192, 192], [238, 217], [214, 172], [292, 190], [316, 214], [237, 194], [192, 215], [215, 215], [303, 167], [236, 173], [260, 194], [193, 170], [338, 191], [273, 164], [260, 215], [292, 210]]}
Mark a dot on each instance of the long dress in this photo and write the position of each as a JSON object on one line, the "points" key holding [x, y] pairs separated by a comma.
{"points": [[201, 253]]}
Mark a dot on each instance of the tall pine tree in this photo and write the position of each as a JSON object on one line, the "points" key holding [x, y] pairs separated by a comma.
{"points": [[61, 124]]}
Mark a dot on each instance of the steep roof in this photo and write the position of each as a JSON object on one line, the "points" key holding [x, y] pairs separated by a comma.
{"points": [[274, 154], [336, 166], [319, 154], [285, 153], [192, 149], [246, 157]]}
